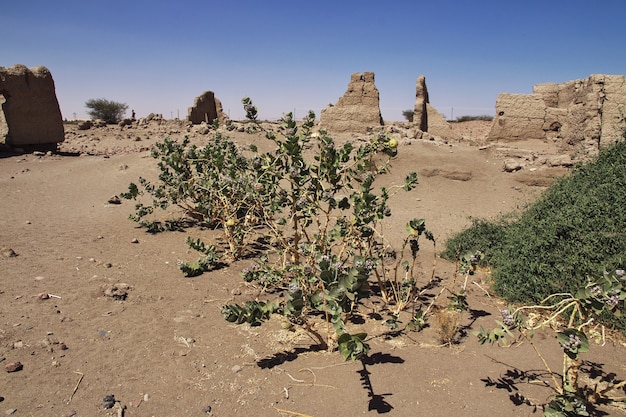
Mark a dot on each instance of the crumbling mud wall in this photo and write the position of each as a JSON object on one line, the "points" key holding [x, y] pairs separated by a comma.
{"points": [[206, 108], [358, 110], [31, 116], [585, 114]]}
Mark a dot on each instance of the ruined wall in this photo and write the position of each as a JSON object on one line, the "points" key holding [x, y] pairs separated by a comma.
{"points": [[31, 113], [358, 110], [582, 113], [206, 108], [420, 111]]}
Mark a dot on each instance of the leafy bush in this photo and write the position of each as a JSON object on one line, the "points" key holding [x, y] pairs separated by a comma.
{"points": [[483, 117], [574, 317], [575, 230], [310, 213], [109, 111], [408, 115]]}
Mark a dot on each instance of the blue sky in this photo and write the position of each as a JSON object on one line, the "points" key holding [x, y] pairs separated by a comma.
{"points": [[157, 56]]}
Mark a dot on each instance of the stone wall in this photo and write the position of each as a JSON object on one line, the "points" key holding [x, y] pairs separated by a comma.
{"points": [[358, 110], [206, 108], [31, 116], [582, 113]]}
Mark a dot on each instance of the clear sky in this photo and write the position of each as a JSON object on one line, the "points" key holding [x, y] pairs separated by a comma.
{"points": [[157, 56]]}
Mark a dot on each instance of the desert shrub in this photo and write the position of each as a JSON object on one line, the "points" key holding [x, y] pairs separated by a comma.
{"points": [[408, 115], [109, 111], [484, 117], [482, 235], [309, 213], [574, 317], [575, 230]]}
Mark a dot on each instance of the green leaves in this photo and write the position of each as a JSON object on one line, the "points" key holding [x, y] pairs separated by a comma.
{"points": [[314, 206], [573, 342], [252, 312], [353, 347]]}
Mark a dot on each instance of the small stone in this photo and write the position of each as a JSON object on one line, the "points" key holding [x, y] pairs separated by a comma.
{"points": [[8, 252], [146, 397], [135, 240], [207, 409], [43, 296], [39, 278], [10, 411], [13, 366], [108, 401], [108, 265], [114, 200], [18, 345], [236, 369]]}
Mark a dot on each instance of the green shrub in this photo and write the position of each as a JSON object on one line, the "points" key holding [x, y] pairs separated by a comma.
{"points": [[109, 111], [311, 215], [408, 115], [573, 232], [483, 117]]}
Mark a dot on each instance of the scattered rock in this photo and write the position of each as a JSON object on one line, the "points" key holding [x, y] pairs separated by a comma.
{"points": [[114, 200], [43, 296], [236, 369], [117, 291], [85, 125], [135, 240], [7, 252], [512, 165], [108, 401], [13, 367]]}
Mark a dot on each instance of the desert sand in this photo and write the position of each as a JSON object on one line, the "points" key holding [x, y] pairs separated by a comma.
{"points": [[93, 306]]}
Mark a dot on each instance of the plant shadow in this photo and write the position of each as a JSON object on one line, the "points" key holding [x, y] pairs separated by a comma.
{"points": [[279, 358], [377, 402], [514, 377]]}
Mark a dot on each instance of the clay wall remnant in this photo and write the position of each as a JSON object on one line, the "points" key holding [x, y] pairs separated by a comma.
{"points": [[29, 111], [358, 110], [583, 113], [206, 108]]}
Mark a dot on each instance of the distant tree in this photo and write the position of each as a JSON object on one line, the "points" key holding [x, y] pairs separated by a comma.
{"points": [[408, 115], [109, 111]]}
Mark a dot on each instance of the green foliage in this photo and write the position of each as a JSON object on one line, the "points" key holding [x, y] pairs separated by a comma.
{"points": [[578, 312], [109, 111], [408, 115], [483, 117], [573, 231], [352, 347], [309, 209]]}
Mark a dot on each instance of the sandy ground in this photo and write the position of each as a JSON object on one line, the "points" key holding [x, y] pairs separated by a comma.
{"points": [[166, 351]]}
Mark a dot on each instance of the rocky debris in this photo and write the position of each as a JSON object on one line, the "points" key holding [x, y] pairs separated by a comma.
{"points": [[358, 110], [125, 122], [580, 115], [29, 111], [84, 125], [114, 200], [420, 112], [108, 401], [512, 165], [117, 291], [438, 126], [7, 252], [13, 367], [206, 108]]}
